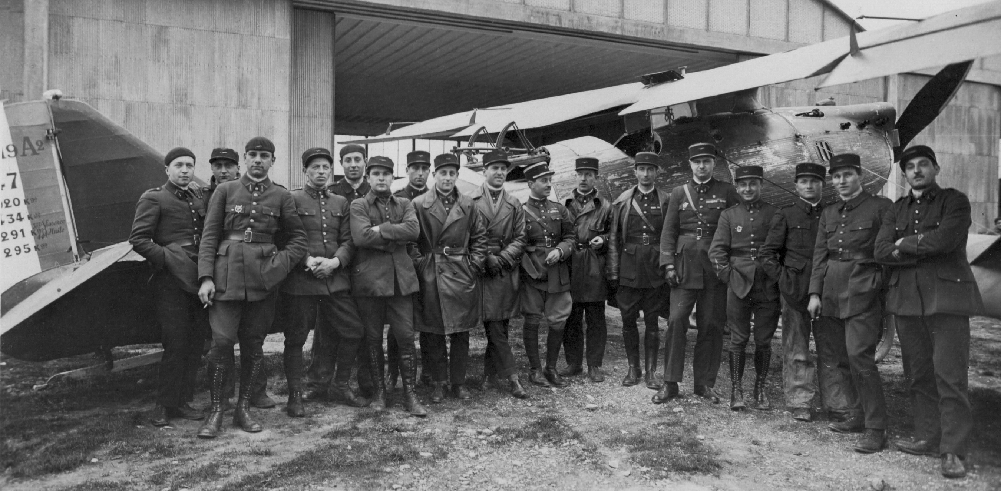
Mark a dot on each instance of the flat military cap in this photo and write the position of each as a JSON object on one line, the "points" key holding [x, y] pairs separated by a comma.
{"points": [[749, 172], [496, 157], [537, 170], [380, 161], [845, 160], [418, 157], [222, 153], [809, 169], [352, 148], [446, 160], [701, 150], [176, 152], [587, 163], [647, 158], [261, 144], [316, 152], [917, 151]]}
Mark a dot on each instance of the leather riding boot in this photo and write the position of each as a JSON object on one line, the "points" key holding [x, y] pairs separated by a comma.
{"points": [[633, 373], [437, 392], [530, 335], [408, 374], [516, 389], [217, 380], [376, 368], [159, 417], [294, 371], [347, 353], [736, 361], [342, 394], [393, 365], [762, 360], [241, 415], [653, 382], [259, 397]]}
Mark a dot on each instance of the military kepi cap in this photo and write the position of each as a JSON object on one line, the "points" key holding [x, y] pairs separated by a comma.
{"points": [[446, 160], [917, 151], [418, 157], [537, 170], [587, 163], [261, 144], [379, 161], [496, 157], [749, 172], [222, 153], [701, 150], [809, 169], [316, 152], [176, 152], [647, 158], [845, 160], [353, 148]]}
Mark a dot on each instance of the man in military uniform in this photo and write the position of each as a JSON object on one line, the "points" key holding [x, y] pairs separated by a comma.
{"points": [[504, 221], [637, 220], [166, 231], [225, 163], [324, 349], [788, 259], [449, 260], [933, 294], [240, 268], [845, 287], [689, 225], [418, 169], [545, 284], [592, 223], [735, 253], [318, 288], [383, 279]]}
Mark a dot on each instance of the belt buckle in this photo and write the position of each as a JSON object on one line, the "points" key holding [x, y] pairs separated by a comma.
{"points": [[248, 235], [444, 250], [841, 255], [645, 240], [198, 238], [698, 233], [549, 241], [754, 253]]}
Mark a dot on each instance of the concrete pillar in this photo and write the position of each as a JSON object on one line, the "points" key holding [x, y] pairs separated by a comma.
{"points": [[36, 48]]}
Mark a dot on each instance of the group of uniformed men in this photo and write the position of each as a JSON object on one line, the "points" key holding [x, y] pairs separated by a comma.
{"points": [[350, 257]]}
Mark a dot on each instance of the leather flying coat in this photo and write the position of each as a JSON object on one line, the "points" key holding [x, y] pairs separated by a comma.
{"points": [[688, 232], [167, 229], [450, 252], [504, 223], [243, 270], [550, 228], [735, 250], [788, 250], [382, 267], [932, 274], [328, 235], [587, 265], [627, 262]]}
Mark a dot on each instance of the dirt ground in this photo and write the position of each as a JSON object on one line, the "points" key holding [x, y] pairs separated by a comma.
{"points": [[93, 435]]}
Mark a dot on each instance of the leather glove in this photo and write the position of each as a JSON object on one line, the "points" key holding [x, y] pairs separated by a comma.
{"points": [[492, 265]]}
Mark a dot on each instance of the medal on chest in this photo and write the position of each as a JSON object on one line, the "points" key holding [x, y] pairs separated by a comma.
{"points": [[739, 228]]}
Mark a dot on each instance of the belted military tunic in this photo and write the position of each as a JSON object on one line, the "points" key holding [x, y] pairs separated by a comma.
{"points": [[689, 227], [238, 250], [634, 241], [735, 250], [504, 221], [382, 267], [328, 235], [548, 226], [592, 218], [788, 250], [167, 229]]}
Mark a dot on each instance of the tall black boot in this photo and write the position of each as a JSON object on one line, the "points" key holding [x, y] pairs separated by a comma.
{"points": [[554, 341], [651, 348], [530, 335], [631, 343], [241, 415], [217, 379], [259, 397], [762, 361], [347, 351], [377, 371], [408, 374], [737, 361], [294, 370]]}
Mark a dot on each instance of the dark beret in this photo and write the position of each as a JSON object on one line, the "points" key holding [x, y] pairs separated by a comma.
{"points": [[353, 148], [261, 144], [917, 151], [175, 153], [315, 152]]}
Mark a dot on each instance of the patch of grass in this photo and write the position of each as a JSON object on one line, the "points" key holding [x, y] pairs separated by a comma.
{"points": [[101, 486], [195, 477], [669, 447], [549, 428]]}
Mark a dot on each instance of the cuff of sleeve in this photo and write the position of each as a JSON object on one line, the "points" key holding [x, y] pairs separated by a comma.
{"points": [[910, 244]]}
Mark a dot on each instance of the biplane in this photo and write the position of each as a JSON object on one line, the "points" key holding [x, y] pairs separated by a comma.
{"points": [[72, 285]]}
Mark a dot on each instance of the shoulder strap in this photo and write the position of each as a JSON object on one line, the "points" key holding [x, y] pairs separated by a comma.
{"points": [[636, 207], [535, 216], [691, 203]]}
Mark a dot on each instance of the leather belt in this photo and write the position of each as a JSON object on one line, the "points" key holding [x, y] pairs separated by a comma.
{"points": [[250, 236], [545, 242], [450, 251], [843, 255], [699, 233], [184, 242], [644, 239], [751, 253]]}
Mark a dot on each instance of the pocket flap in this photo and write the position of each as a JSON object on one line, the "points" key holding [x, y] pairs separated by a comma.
{"points": [[795, 263], [305, 211], [629, 248], [865, 224], [269, 211], [953, 275], [223, 249], [337, 213]]}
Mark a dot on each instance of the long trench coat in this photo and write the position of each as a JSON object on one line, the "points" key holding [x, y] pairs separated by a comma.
{"points": [[505, 228], [587, 265], [449, 258]]}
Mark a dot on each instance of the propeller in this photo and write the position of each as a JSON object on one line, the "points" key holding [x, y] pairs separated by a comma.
{"points": [[929, 102]]}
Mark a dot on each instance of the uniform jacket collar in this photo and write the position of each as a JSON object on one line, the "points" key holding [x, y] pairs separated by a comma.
{"points": [[929, 193], [249, 183], [181, 193], [315, 193], [437, 208], [628, 195], [704, 187], [809, 208], [854, 202], [754, 205], [371, 197]]}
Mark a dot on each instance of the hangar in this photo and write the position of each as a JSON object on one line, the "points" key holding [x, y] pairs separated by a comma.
{"points": [[207, 73]]}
